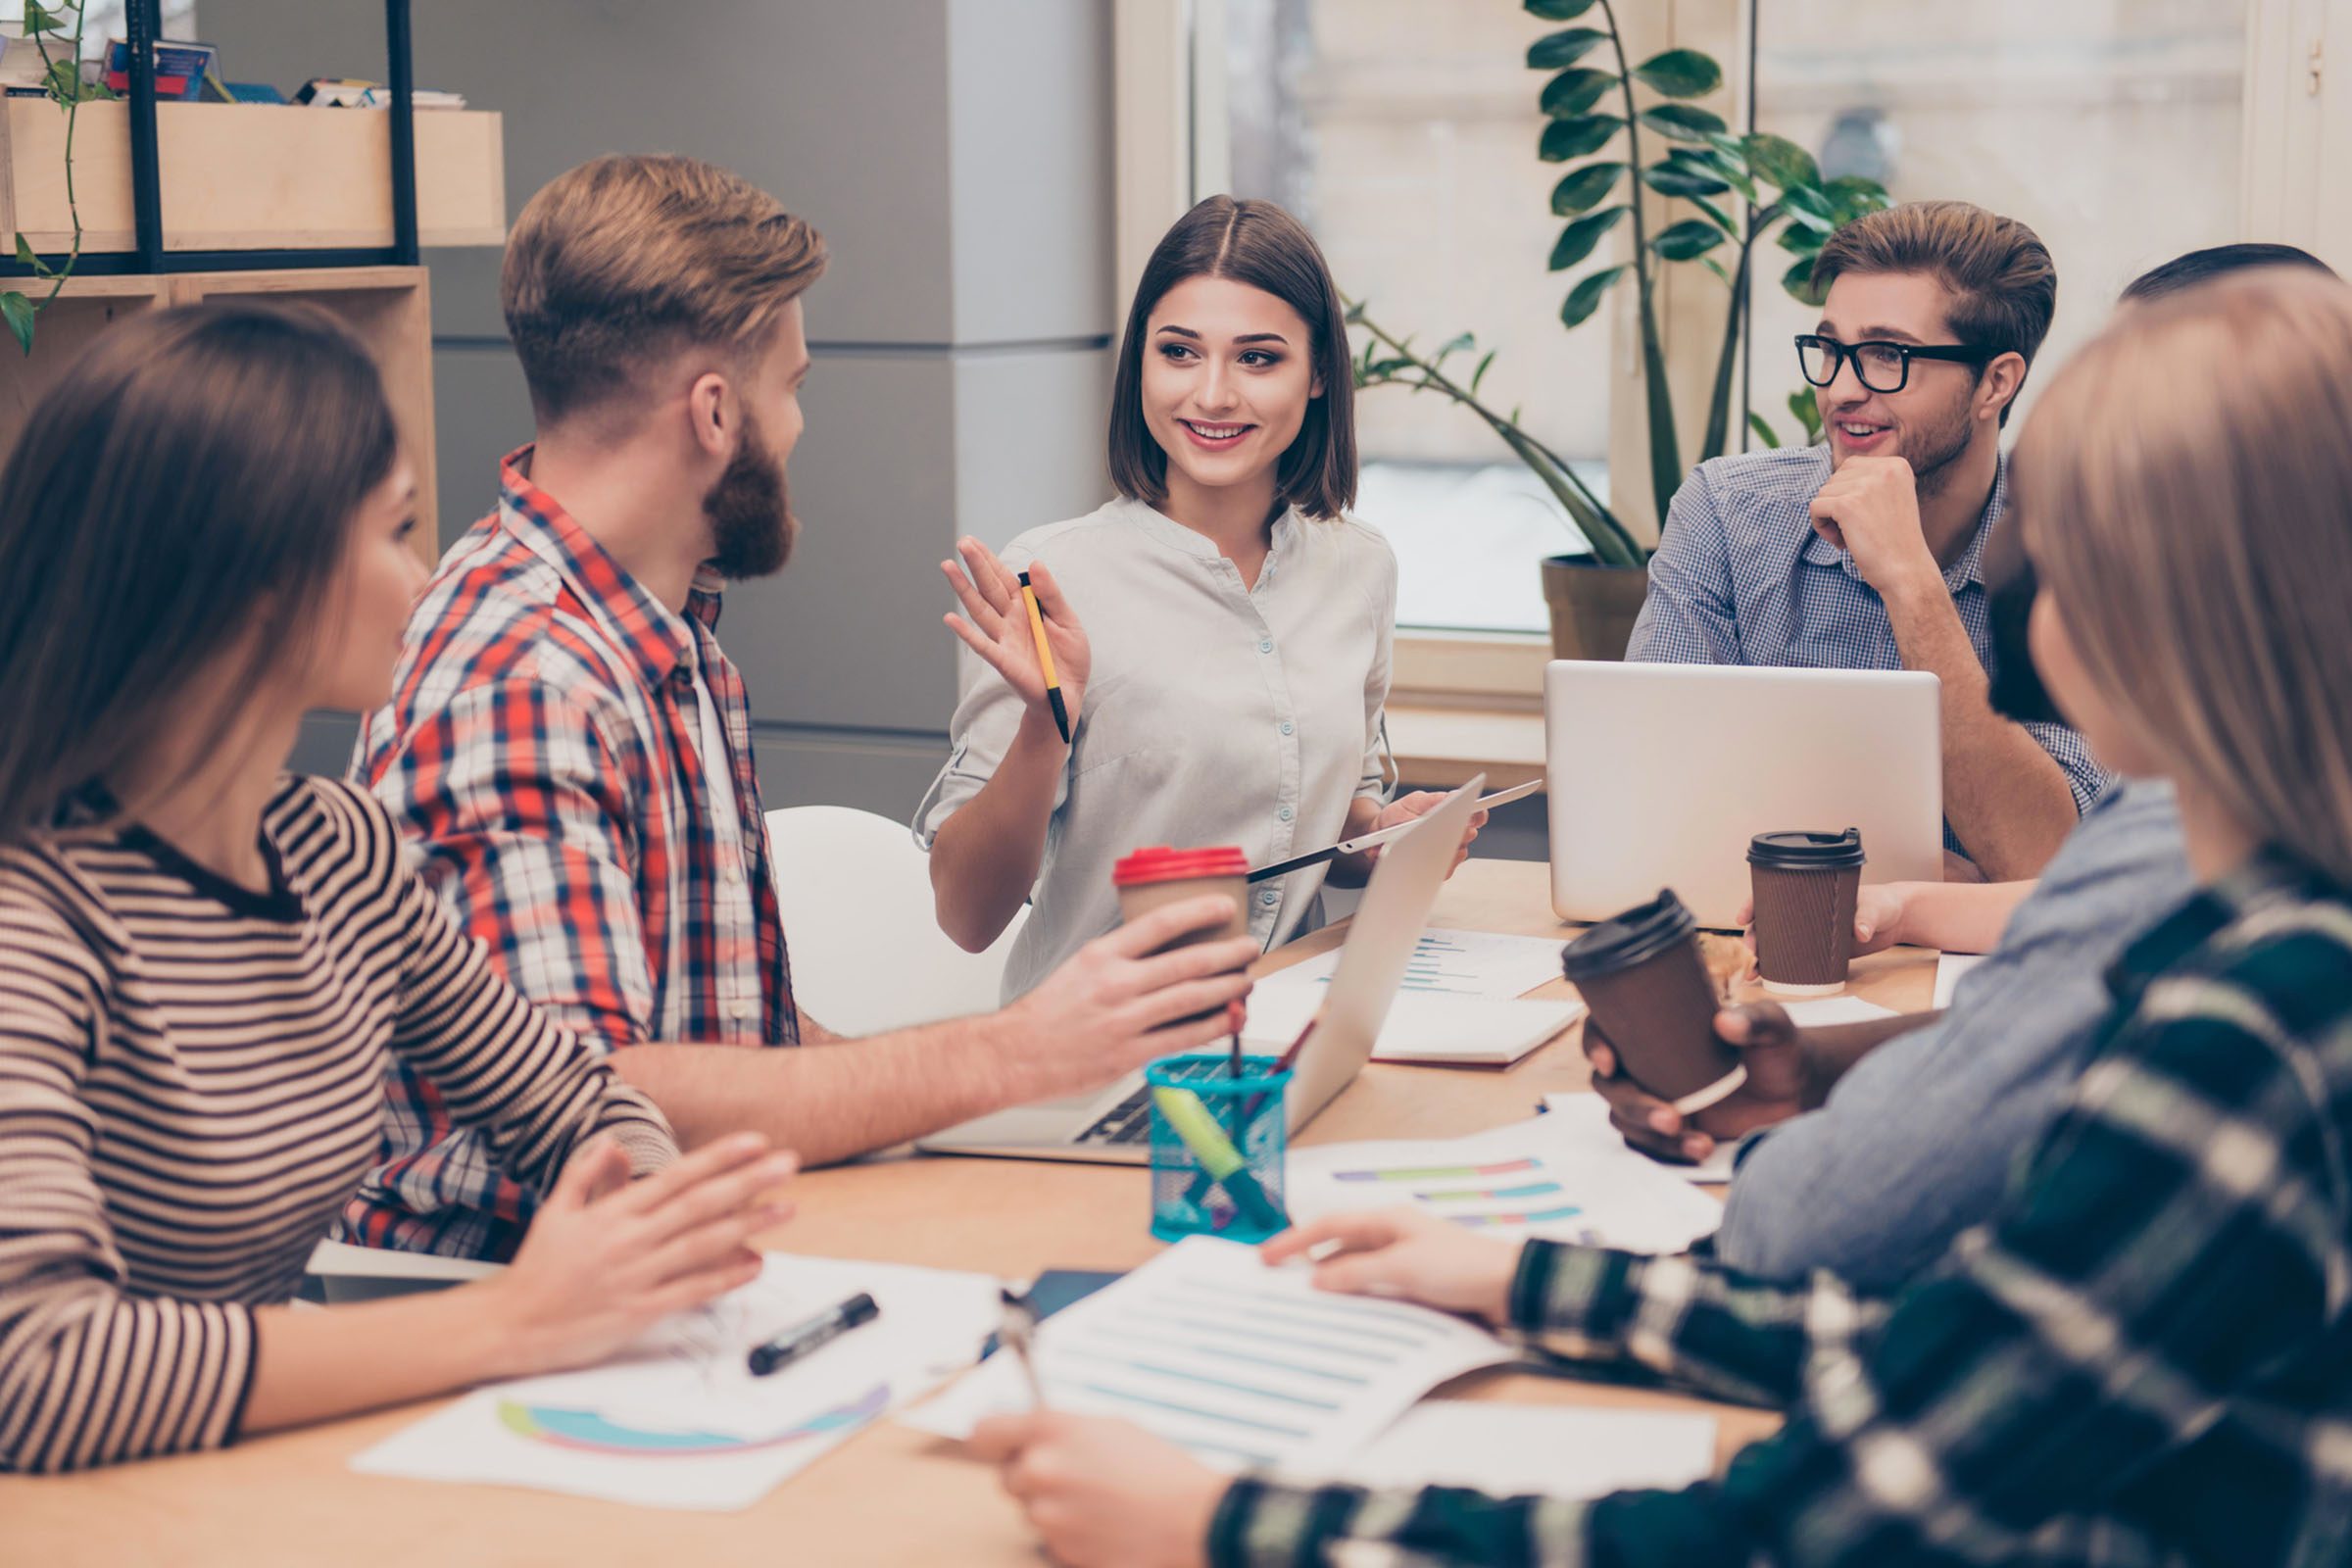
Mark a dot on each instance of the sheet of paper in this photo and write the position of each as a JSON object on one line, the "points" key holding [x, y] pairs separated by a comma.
{"points": [[1948, 969], [1464, 963], [1533, 1178], [1559, 1451], [1584, 1120], [1245, 1366], [1430, 1027], [679, 1422]]}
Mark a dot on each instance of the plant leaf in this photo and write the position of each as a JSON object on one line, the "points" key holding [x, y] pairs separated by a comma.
{"points": [[1680, 73], [1808, 413], [1453, 345], [1572, 92], [1584, 299], [1690, 238], [1850, 196], [1683, 121], [25, 255], [1564, 48], [1764, 432], [1681, 180], [1581, 190], [1806, 205], [1778, 160], [1577, 240], [1717, 267], [1716, 216], [19, 312], [1480, 375], [39, 20], [1798, 281], [1797, 239], [1576, 137], [1558, 10]]}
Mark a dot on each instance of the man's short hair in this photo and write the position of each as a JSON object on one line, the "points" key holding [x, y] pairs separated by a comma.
{"points": [[2003, 285], [2214, 261], [625, 260]]}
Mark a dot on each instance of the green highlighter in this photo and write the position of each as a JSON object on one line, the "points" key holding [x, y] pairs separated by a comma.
{"points": [[1224, 1163]]}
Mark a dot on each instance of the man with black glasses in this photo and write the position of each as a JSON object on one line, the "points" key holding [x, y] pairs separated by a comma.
{"points": [[1865, 553]]}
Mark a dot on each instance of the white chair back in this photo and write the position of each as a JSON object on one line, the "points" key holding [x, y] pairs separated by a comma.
{"points": [[868, 954]]}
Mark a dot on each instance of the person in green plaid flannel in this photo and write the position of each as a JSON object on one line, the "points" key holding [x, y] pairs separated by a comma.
{"points": [[2145, 1356]]}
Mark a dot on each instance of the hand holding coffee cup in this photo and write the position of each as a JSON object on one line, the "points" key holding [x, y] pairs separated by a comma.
{"points": [[1770, 1047], [1153, 878], [1645, 978], [1806, 886]]}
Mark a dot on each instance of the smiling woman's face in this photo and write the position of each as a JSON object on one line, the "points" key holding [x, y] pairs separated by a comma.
{"points": [[1227, 380]]}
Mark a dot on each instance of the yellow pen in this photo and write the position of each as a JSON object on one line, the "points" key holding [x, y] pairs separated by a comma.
{"points": [[1044, 660]]}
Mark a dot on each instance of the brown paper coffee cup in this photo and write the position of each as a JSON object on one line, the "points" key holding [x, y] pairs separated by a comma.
{"points": [[1645, 978], [1806, 886]]}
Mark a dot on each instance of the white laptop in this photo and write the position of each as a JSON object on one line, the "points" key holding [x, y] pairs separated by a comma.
{"points": [[1113, 1125], [1661, 774]]}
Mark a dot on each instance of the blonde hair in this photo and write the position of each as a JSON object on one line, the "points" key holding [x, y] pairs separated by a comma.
{"points": [[625, 260], [2003, 284], [2185, 485]]}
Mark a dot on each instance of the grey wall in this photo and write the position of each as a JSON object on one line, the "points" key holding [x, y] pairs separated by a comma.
{"points": [[956, 155]]}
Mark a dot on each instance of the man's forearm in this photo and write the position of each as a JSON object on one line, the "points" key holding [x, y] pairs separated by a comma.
{"points": [[2004, 796], [831, 1102], [1832, 1050]]}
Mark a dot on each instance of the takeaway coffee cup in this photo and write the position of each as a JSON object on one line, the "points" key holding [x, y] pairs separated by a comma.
{"points": [[1151, 878], [1645, 979], [1806, 886]]}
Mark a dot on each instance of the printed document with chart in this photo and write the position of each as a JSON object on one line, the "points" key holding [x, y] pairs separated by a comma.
{"points": [[1245, 1366]]}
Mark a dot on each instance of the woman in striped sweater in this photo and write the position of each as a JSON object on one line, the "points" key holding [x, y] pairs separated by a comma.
{"points": [[206, 963]]}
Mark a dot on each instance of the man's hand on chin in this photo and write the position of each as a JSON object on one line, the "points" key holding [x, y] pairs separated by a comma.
{"points": [[1871, 508]]}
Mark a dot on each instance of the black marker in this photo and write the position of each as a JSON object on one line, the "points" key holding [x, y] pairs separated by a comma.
{"points": [[817, 1332]]}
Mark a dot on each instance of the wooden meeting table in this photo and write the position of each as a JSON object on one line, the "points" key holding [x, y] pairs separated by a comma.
{"points": [[889, 1495]]}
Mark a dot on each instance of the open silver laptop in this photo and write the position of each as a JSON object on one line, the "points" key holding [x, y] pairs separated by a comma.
{"points": [[1113, 1125], [1661, 774]]}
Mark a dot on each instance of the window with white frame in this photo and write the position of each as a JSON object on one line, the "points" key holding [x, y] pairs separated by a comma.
{"points": [[1404, 134], [2111, 127]]}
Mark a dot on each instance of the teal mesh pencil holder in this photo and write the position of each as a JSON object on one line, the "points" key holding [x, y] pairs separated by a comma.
{"points": [[1217, 1142]]}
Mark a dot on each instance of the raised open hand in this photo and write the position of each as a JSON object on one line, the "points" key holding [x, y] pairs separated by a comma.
{"points": [[995, 624]]}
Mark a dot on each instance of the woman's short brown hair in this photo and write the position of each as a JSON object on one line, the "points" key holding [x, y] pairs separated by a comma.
{"points": [[1256, 243], [2003, 284], [625, 260]]}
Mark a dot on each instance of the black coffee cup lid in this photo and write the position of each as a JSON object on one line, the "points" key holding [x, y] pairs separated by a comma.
{"points": [[1635, 936], [1805, 851]]}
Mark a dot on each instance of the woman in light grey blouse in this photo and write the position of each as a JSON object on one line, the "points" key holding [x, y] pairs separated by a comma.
{"points": [[1226, 683]]}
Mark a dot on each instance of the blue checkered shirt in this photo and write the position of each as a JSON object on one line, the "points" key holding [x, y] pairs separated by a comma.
{"points": [[1741, 578]]}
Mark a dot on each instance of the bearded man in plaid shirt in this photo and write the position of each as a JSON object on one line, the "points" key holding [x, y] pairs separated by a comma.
{"points": [[569, 749]]}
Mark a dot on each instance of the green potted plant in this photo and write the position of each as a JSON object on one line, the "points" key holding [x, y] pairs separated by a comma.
{"points": [[1738, 190], [62, 78]]}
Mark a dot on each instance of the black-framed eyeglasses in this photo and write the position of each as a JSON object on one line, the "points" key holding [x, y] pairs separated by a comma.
{"points": [[1880, 365]]}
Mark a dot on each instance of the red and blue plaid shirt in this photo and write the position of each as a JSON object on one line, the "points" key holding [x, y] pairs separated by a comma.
{"points": [[540, 752]]}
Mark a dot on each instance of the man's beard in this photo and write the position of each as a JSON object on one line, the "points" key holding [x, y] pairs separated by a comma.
{"points": [[751, 525], [1937, 447]]}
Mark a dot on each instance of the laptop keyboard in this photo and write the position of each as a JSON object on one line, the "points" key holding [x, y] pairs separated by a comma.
{"points": [[1130, 1120]]}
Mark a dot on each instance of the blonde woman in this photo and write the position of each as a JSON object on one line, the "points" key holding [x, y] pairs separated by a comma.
{"points": [[2142, 1357]]}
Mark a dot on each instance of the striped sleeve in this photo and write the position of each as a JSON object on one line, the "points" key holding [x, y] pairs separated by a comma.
{"points": [[532, 1087], [91, 1372]]}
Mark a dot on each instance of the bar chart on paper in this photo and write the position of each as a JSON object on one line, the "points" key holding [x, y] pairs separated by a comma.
{"points": [[1532, 1178], [1501, 1192], [1459, 963], [1241, 1364]]}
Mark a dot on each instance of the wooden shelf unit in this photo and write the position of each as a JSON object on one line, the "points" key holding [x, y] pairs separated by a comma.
{"points": [[388, 308]]}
